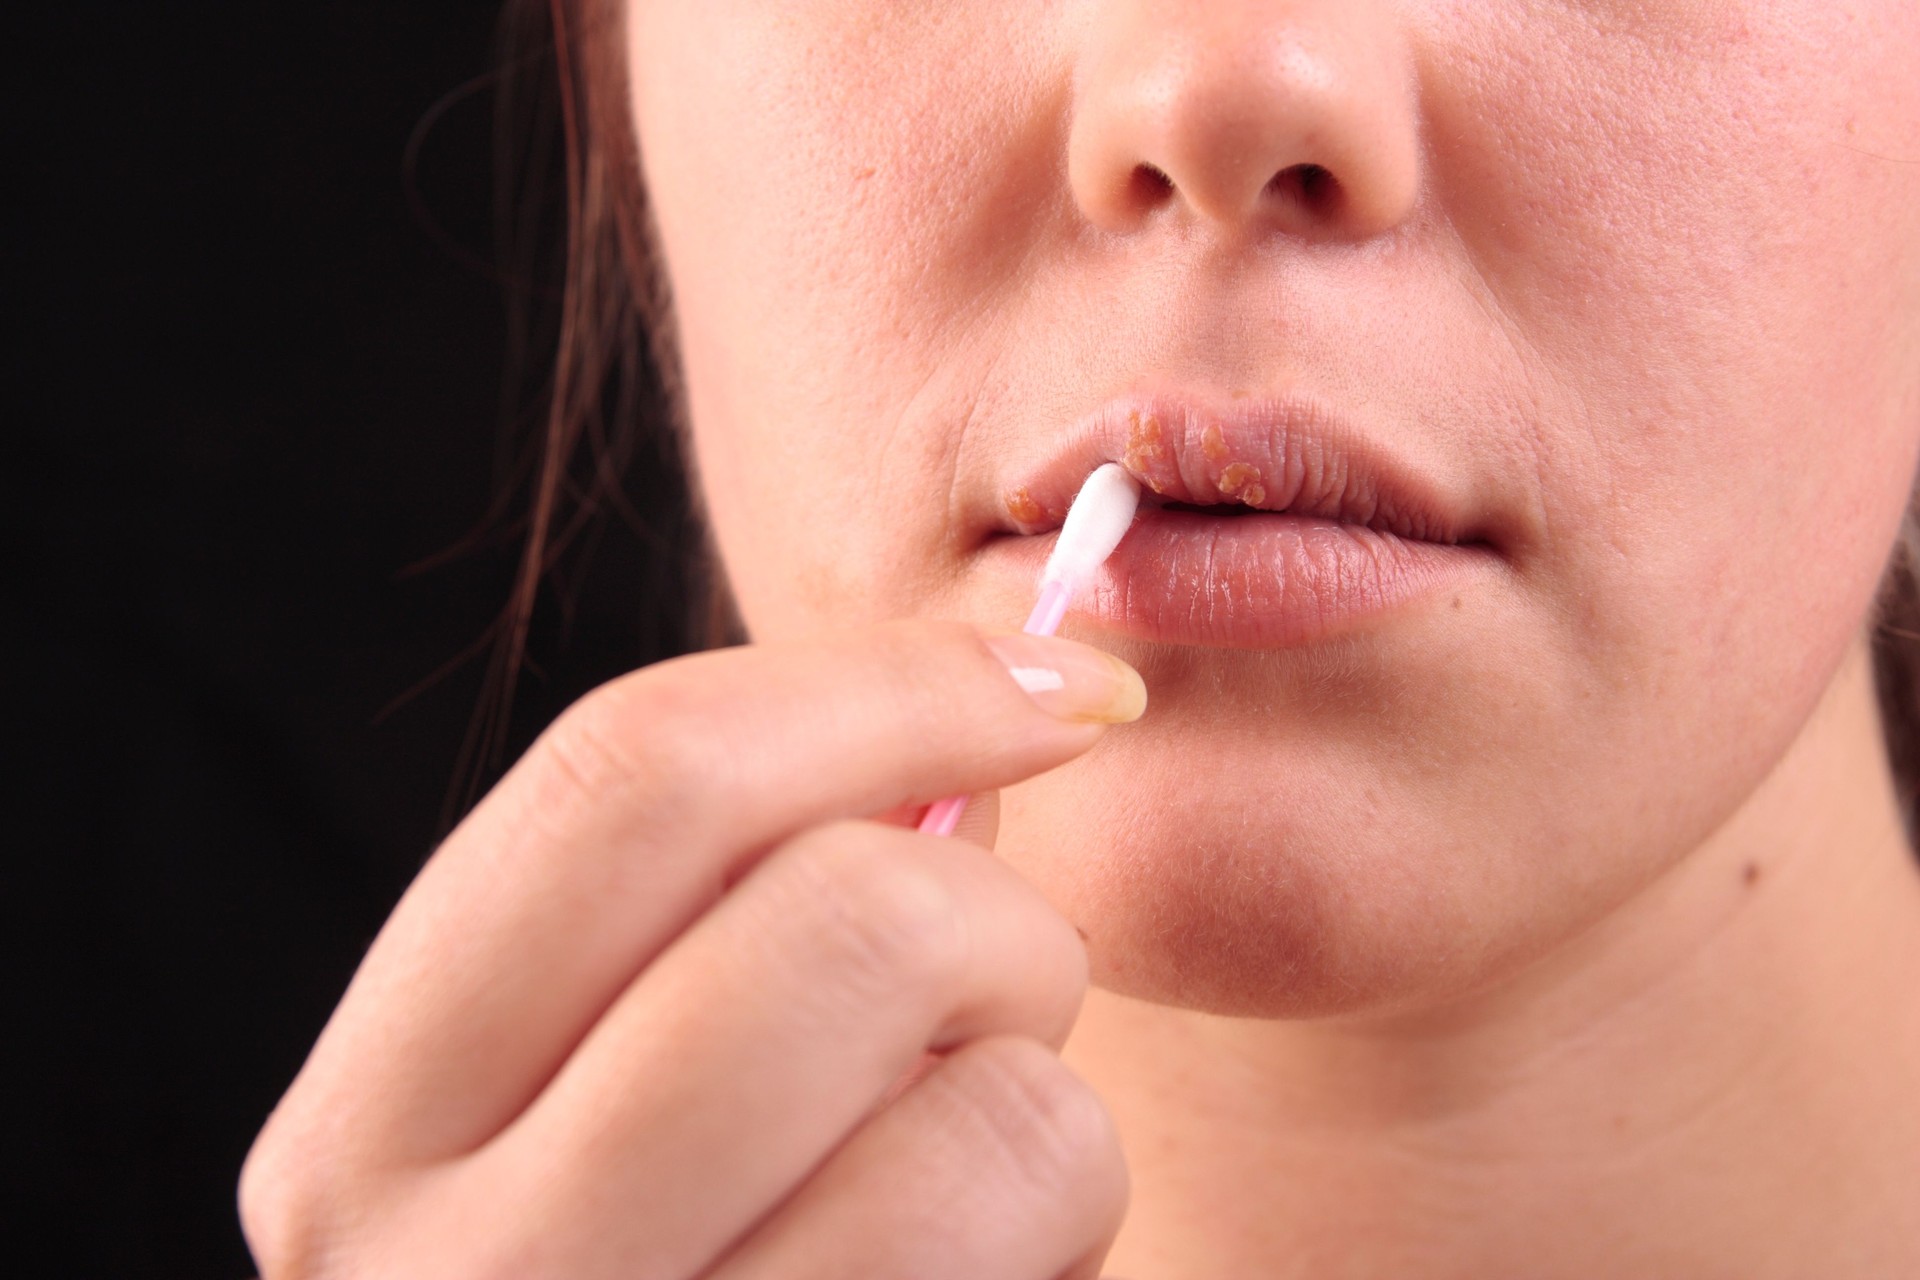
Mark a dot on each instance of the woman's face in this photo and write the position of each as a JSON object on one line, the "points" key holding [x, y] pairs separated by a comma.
{"points": [[1621, 296]]}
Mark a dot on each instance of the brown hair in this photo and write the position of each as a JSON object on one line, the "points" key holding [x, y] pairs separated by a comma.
{"points": [[1896, 665], [615, 303], [604, 437]]}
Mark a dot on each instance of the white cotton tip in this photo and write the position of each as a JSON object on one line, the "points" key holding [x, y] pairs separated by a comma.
{"points": [[1097, 520]]}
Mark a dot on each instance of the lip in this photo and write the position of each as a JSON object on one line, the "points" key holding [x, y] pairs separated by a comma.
{"points": [[1321, 529]]}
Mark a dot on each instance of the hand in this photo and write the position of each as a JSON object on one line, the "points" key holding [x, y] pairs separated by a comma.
{"points": [[661, 1007]]}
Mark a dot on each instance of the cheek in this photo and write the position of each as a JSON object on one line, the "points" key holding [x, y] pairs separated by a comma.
{"points": [[1710, 281], [836, 222]]}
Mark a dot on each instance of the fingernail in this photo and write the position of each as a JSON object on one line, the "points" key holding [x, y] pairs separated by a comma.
{"points": [[1071, 680]]}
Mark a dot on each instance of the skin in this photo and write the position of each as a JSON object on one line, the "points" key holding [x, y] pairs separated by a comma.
{"points": [[1558, 926]]}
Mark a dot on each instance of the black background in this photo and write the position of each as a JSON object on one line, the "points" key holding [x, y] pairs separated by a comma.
{"points": [[258, 386]]}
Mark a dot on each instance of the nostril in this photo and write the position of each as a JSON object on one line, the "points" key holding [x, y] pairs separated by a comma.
{"points": [[1316, 184], [1310, 184], [1149, 185]]}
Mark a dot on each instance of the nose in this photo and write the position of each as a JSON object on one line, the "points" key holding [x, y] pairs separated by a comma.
{"points": [[1298, 116]]}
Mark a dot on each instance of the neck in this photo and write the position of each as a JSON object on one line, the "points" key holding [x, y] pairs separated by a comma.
{"points": [[1718, 1078]]}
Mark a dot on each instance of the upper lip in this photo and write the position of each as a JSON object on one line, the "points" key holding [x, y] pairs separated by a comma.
{"points": [[1291, 454]]}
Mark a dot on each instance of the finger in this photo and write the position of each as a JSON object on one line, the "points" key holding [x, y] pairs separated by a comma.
{"points": [[625, 822], [1000, 1163], [729, 1070]]}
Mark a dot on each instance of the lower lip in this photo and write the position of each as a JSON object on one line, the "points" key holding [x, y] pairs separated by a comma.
{"points": [[1260, 581]]}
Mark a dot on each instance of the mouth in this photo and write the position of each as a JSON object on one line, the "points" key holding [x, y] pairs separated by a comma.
{"points": [[1263, 524], [1291, 456]]}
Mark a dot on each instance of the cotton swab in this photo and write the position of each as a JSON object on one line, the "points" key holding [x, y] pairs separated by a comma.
{"points": [[1100, 515]]}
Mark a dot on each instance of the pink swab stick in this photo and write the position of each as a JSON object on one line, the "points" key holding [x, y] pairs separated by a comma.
{"points": [[1097, 520]]}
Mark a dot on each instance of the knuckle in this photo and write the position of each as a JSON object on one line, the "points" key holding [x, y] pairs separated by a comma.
{"points": [[884, 924], [638, 737], [1046, 1125]]}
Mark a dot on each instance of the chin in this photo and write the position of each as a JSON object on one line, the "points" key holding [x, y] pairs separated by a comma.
{"points": [[1191, 896]]}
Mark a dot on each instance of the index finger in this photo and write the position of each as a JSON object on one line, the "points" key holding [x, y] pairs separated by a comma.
{"points": [[628, 819]]}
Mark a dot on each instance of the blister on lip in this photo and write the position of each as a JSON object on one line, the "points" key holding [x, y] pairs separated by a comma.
{"points": [[1291, 455]]}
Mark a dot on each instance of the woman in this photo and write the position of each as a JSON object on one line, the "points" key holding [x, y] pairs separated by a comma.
{"points": [[1507, 879]]}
